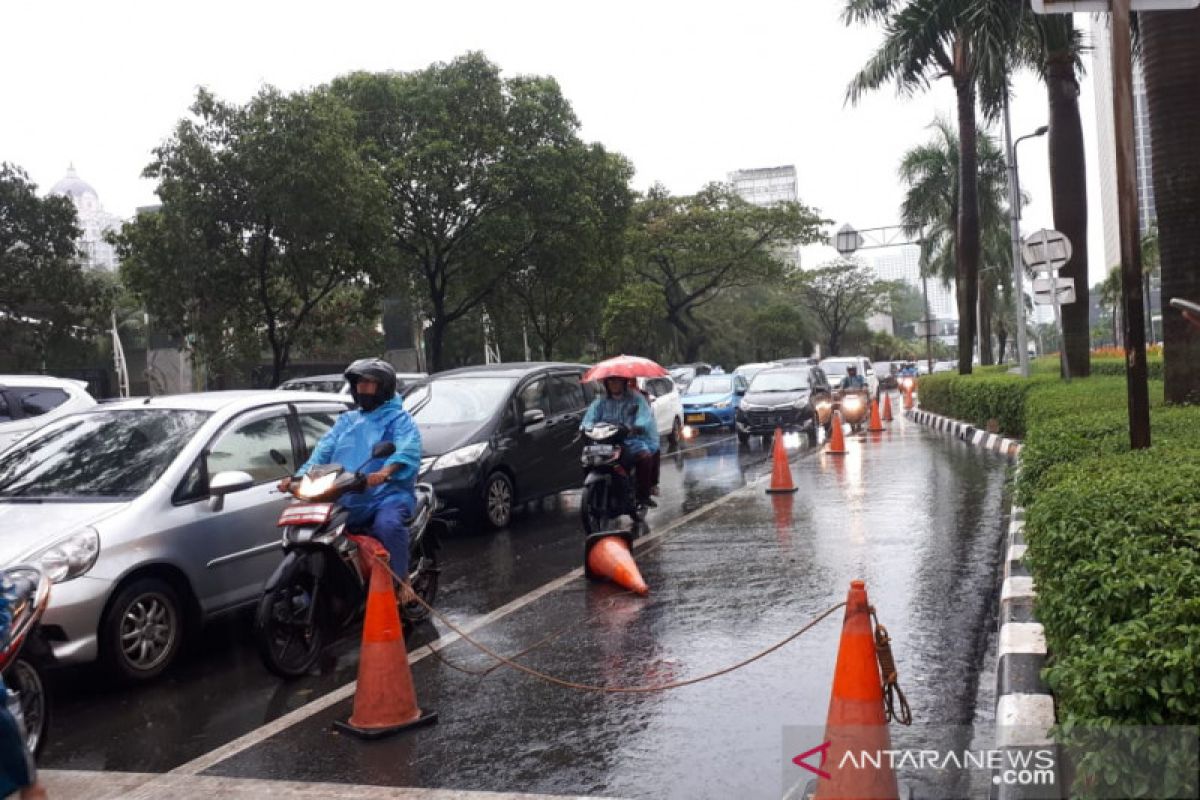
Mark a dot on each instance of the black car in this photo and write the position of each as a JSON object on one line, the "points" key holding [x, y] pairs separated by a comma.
{"points": [[499, 435], [792, 398]]}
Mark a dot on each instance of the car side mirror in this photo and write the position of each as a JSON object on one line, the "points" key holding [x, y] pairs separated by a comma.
{"points": [[224, 483], [383, 449], [533, 416]]}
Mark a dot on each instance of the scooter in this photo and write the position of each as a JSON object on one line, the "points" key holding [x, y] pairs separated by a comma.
{"points": [[321, 586], [26, 655], [609, 491], [855, 405]]}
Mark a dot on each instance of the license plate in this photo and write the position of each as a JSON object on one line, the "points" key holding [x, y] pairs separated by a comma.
{"points": [[598, 450], [694, 418]]}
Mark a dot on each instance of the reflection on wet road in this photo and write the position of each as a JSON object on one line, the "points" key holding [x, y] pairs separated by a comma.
{"points": [[916, 515]]}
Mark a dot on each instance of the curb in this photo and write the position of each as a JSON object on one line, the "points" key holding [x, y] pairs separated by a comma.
{"points": [[968, 433], [1024, 704]]}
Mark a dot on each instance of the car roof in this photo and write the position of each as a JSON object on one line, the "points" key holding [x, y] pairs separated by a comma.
{"points": [[333, 376], [236, 400], [513, 369], [40, 380]]}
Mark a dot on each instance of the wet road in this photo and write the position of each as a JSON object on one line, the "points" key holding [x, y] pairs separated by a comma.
{"points": [[918, 516]]}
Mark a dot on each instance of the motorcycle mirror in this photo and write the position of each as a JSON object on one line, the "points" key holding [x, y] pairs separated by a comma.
{"points": [[383, 449]]}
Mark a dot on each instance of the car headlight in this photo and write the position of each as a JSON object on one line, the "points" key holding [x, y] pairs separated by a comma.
{"points": [[744, 406], [70, 557], [801, 402], [463, 455], [723, 404]]}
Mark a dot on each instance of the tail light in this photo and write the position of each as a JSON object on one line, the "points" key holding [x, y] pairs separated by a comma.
{"points": [[305, 514]]}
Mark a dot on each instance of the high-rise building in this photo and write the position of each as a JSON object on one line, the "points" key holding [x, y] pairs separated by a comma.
{"points": [[94, 222], [766, 186], [904, 264]]}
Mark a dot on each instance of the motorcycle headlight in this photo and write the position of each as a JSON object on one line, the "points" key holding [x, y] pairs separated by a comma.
{"points": [[70, 557], [723, 404], [463, 455]]}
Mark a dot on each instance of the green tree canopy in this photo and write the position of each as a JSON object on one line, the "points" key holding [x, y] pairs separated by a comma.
{"points": [[839, 294]]}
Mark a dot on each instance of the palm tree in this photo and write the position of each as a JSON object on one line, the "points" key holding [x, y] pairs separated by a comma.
{"points": [[931, 208], [1172, 66]]}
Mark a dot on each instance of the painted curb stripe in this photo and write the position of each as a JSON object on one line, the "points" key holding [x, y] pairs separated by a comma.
{"points": [[1024, 719], [1022, 637]]}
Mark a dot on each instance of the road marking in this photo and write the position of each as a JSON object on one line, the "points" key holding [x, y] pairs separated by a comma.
{"points": [[254, 737]]}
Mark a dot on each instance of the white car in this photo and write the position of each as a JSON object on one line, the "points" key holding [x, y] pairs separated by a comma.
{"points": [[28, 402], [748, 371], [666, 405], [835, 370]]}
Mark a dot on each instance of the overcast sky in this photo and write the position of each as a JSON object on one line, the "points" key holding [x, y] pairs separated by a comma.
{"points": [[688, 91]]}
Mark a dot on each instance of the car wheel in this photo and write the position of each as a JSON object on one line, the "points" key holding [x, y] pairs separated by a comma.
{"points": [[676, 434], [142, 630], [27, 681], [498, 498], [743, 438], [812, 435]]}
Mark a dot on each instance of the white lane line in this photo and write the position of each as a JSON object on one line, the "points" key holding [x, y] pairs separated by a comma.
{"points": [[248, 740]]}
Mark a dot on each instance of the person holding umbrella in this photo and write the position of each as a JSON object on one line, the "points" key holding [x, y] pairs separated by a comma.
{"points": [[622, 405]]}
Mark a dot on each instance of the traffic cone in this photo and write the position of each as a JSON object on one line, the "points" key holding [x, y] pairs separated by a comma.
{"points": [[837, 439], [887, 407], [856, 722], [384, 701], [875, 426], [908, 401], [781, 472], [610, 557]]}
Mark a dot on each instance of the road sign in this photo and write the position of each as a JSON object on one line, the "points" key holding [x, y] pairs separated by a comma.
{"points": [[1045, 290], [1104, 6], [1045, 251], [847, 240]]}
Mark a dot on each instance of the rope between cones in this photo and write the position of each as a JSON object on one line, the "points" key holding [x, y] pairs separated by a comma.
{"points": [[887, 667], [587, 687]]}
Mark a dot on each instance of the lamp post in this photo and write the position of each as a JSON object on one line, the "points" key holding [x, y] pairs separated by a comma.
{"points": [[1014, 202]]}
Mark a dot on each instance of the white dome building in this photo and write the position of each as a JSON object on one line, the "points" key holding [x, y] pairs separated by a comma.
{"points": [[93, 221]]}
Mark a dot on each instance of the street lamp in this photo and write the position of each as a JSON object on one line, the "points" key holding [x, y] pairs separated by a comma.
{"points": [[1014, 197]]}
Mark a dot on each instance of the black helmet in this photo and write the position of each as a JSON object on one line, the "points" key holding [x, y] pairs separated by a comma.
{"points": [[377, 370], [852, 370]]}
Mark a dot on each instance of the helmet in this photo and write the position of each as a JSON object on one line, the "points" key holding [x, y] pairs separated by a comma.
{"points": [[851, 370], [377, 370]]}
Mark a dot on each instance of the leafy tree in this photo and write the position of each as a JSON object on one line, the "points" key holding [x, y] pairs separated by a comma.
{"points": [[906, 304], [479, 170], [696, 246], [839, 294], [779, 331], [632, 318], [267, 212]]}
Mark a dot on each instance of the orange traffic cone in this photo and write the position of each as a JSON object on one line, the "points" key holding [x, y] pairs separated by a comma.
{"points": [[875, 426], [837, 439], [781, 472], [856, 728], [908, 401], [887, 408], [609, 557], [384, 701]]}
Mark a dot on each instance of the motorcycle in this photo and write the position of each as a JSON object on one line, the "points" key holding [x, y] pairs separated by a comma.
{"points": [[854, 404], [609, 491], [321, 585], [25, 656]]}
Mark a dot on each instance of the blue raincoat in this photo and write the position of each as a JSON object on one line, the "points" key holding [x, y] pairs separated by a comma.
{"points": [[630, 409], [16, 764], [349, 443]]}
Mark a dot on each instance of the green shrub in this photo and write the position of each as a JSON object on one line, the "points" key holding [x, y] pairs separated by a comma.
{"points": [[980, 398], [1116, 367]]}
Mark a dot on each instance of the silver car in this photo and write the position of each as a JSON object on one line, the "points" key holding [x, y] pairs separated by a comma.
{"points": [[154, 515]]}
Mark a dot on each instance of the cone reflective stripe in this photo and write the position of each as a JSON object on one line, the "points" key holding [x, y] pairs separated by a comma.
{"points": [[837, 439], [856, 723], [875, 426], [887, 408], [385, 701], [781, 471], [609, 557]]}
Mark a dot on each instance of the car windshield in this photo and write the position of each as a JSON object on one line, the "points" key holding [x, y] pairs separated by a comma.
{"points": [[117, 454], [710, 384], [454, 401], [836, 369], [779, 381]]}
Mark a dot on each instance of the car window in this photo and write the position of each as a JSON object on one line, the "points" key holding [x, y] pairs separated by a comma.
{"points": [[566, 394], [98, 454], [314, 425], [256, 448], [710, 384], [5, 416], [37, 401], [533, 395], [458, 400]]}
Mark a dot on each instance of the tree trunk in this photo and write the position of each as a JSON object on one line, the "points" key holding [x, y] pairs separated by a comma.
{"points": [[1068, 188], [279, 362], [437, 338], [986, 358], [1002, 339], [967, 239]]}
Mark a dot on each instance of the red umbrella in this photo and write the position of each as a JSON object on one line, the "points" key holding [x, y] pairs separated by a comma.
{"points": [[624, 367]]}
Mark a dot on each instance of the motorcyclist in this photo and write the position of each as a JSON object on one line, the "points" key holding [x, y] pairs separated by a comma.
{"points": [[908, 370], [621, 406], [16, 763], [853, 381], [382, 509]]}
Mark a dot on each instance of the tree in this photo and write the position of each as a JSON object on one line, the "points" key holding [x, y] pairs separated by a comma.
{"points": [[632, 321], [779, 331], [478, 171], [906, 305], [267, 212], [839, 294], [696, 246], [577, 259]]}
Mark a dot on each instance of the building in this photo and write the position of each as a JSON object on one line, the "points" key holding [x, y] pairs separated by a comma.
{"points": [[767, 186], [94, 222], [904, 264]]}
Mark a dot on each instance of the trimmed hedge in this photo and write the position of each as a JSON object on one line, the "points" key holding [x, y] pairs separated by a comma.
{"points": [[980, 398], [1116, 367]]}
